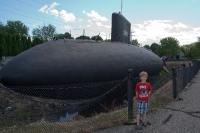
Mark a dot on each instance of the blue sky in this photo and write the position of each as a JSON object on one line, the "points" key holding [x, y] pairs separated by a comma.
{"points": [[151, 20]]}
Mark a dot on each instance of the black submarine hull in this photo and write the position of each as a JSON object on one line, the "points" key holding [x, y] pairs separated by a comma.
{"points": [[64, 62], [50, 69]]}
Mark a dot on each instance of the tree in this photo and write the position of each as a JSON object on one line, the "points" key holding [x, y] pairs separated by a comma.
{"points": [[107, 40], [169, 46], [135, 42], [2, 45], [198, 38], [45, 33], [23, 43], [185, 50], [154, 46], [2, 28], [9, 44], [36, 41], [197, 50], [29, 44], [83, 37], [62, 36], [97, 37], [17, 27], [147, 46], [191, 53]]}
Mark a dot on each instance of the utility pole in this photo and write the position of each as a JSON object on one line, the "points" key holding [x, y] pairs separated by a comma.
{"points": [[83, 32], [121, 6]]}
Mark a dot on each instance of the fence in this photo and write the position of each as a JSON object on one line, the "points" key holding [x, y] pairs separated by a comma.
{"points": [[83, 108]]}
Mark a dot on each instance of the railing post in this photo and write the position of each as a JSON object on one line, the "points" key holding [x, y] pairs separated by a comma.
{"points": [[184, 76], [174, 83], [190, 74], [130, 95]]}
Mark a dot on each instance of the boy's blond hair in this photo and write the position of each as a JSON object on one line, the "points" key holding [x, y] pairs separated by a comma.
{"points": [[143, 73]]}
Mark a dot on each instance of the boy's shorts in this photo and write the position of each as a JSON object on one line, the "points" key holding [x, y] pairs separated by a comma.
{"points": [[142, 107]]}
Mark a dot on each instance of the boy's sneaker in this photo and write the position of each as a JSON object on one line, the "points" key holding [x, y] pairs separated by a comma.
{"points": [[144, 124], [139, 127]]}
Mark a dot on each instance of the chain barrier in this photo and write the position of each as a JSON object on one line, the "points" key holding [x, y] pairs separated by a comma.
{"points": [[89, 85]]}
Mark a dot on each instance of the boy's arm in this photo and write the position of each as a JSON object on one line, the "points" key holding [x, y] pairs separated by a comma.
{"points": [[136, 94], [149, 93]]}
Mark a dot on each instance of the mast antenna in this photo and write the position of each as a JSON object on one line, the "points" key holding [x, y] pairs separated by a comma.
{"points": [[121, 6]]}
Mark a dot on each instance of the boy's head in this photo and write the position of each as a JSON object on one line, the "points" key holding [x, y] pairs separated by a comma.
{"points": [[143, 73], [143, 76]]}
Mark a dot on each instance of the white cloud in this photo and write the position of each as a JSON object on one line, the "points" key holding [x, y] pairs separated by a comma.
{"points": [[50, 9], [43, 9], [155, 30], [197, 30], [53, 11], [100, 24], [63, 14], [95, 16], [90, 21], [180, 25], [67, 17], [68, 27], [79, 19]]}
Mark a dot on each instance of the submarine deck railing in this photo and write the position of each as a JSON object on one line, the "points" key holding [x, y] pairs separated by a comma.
{"points": [[165, 88]]}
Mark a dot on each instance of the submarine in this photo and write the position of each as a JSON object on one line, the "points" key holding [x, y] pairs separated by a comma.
{"points": [[69, 61]]}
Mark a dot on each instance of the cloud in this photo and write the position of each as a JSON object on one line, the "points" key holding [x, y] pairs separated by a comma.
{"points": [[154, 30], [90, 21], [68, 27], [67, 17], [100, 24], [63, 14], [43, 9], [95, 16], [50, 9], [180, 25], [79, 19]]}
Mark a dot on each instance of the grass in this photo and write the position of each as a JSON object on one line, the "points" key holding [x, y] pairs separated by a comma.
{"points": [[87, 125]]}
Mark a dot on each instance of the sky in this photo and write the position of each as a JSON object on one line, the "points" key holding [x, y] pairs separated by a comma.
{"points": [[151, 20]]}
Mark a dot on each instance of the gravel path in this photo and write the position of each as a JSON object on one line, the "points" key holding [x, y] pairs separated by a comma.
{"points": [[177, 117]]}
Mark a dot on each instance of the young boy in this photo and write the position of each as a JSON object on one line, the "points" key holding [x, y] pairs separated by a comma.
{"points": [[143, 91]]}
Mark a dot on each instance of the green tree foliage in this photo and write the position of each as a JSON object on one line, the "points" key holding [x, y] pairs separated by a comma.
{"points": [[83, 37], [45, 33], [9, 44], [14, 46], [159, 51], [29, 43], [169, 46], [197, 50], [2, 45], [135, 42], [2, 28], [16, 27], [154, 46], [107, 40], [198, 38], [185, 49], [23, 43], [97, 37], [62, 36], [36, 41], [147, 46], [191, 52]]}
